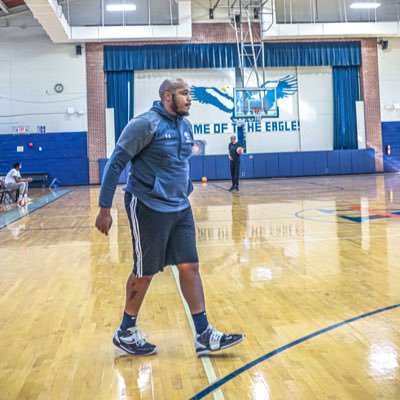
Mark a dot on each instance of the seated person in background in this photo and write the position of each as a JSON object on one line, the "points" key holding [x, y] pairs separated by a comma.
{"points": [[14, 181]]}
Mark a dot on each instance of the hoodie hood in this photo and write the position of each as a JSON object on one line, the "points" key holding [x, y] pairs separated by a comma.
{"points": [[158, 107]]}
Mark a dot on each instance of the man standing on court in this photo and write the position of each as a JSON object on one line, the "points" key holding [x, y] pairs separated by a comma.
{"points": [[234, 152], [159, 144]]}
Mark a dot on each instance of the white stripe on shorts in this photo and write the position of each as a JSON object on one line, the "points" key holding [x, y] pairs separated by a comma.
{"points": [[136, 235]]}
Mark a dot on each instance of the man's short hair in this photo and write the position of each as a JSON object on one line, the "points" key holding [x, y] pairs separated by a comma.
{"points": [[17, 164], [171, 85], [233, 137]]}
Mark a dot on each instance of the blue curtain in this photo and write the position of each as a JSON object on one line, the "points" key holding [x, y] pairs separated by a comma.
{"points": [[225, 55], [345, 94], [345, 57], [312, 54], [120, 97]]}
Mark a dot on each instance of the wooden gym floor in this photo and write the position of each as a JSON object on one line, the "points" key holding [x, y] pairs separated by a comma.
{"points": [[307, 268]]}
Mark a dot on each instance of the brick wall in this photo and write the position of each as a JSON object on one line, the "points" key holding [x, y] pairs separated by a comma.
{"points": [[96, 108], [217, 33], [369, 84]]}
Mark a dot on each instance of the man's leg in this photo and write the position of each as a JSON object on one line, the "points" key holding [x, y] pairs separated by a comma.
{"points": [[183, 247], [136, 289], [208, 339], [20, 186], [144, 240], [192, 287], [237, 173], [25, 194], [128, 336], [232, 168]]}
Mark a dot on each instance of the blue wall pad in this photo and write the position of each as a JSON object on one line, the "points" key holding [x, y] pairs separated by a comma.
{"points": [[284, 166], [321, 162], [309, 164], [345, 161], [369, 161], [62, 155], [297, 164], [271, 165], [357, 161], [196, 168], [260, 165], [272, 162], [247, 166], [17, 213], [334, 162], [222, 165], [391, 137], [209, 167]]}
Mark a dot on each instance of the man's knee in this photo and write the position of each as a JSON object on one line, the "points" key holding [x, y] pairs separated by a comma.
{"points": [[21, 187], [189, 267], [145, 279]]}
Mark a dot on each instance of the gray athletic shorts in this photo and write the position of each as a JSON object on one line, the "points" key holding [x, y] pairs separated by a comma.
{"points": [[160, 239]]}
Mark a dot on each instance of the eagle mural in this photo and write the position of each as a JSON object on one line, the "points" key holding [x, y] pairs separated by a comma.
{"points": [[213, 96]]}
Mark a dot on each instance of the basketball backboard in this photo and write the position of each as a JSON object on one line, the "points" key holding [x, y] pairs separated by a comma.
{"points": [[257, 101]]}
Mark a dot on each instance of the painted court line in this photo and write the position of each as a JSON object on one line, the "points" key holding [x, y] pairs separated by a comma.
{"points": [[374, 212], [281, 349], [205, 359]]}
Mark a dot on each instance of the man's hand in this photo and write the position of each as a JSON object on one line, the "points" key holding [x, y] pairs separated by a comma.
{"points": [[29, 179], [230, 157], [104, 220]]}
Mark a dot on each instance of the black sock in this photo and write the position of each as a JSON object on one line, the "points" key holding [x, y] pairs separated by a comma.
{"points": [[200, 322], [128, 321]]}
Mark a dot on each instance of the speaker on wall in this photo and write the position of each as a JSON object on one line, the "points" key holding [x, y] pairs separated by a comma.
{"points": [[384, 43], [78, 49]]}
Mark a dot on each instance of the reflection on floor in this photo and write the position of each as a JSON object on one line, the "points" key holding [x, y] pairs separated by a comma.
{"points": [[13, 212]]}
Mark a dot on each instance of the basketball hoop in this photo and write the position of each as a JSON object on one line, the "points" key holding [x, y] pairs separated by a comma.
{"points": [[257, 114]]}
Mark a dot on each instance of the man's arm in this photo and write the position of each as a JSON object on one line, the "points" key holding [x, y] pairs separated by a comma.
{"points": [[136, 135], [19, 179], [229, 154], [112, 171]]}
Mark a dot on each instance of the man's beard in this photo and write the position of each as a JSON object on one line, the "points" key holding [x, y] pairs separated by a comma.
{"points": [[176, 110]]}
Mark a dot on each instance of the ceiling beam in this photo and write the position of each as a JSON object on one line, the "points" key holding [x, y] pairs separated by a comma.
{"points": [[4, 7]]}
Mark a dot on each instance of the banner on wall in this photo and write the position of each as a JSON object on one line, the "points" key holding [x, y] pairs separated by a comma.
{"points": [[212, 110]]}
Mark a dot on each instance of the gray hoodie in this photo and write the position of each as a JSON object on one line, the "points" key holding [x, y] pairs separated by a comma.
{"points": [[159, 146]]}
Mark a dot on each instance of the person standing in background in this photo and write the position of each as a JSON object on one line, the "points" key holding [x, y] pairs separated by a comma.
{"points": [[234, 152]]}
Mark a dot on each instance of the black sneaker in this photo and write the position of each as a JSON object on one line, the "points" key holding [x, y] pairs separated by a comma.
{"points": [[212, 340], [132, 342], [232, 188], [237, 188]]}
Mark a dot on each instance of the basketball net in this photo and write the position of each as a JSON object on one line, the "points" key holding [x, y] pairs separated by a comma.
{"points": [[257, 114]]}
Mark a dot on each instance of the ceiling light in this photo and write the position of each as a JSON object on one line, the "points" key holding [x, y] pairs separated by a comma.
{"points": [[120, 7], [365, 5]]}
